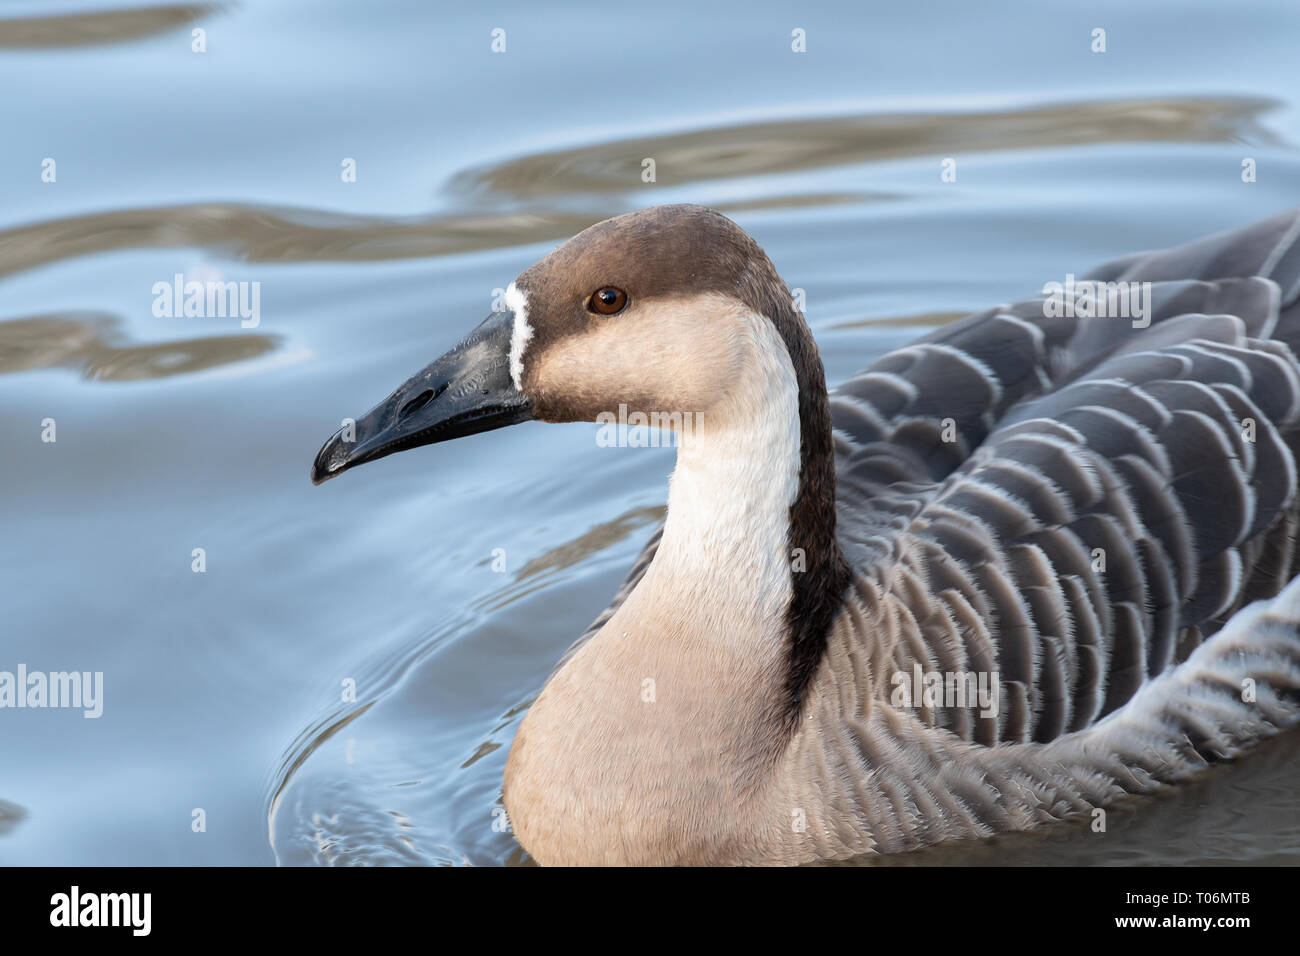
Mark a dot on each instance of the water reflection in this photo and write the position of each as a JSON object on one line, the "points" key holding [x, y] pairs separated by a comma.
{"points": [[537, 572], [10, 816], [105, 26], [785, 146], [92, 343], [922, 320], [552, 185]]}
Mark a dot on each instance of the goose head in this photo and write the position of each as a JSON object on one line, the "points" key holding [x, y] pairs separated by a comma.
{"points": [[653, 310], [671, 309]]}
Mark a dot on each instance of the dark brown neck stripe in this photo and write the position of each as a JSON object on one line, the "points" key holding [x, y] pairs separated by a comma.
{"points": [[818, 590]]}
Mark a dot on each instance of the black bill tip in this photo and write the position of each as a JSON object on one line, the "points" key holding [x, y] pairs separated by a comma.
{"points": [[466, 391]]}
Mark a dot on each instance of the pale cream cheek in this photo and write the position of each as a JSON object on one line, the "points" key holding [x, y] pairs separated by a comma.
{"points": [[678, 356]]}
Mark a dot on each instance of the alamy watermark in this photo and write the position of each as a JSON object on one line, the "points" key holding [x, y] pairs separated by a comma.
{"points": [[56, 689], [626, 429], [1086, 298], [208, 299], [128, 910], [947, 689]]}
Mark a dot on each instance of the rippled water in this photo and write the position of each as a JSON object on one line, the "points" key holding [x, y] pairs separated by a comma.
{"points": [[224, 690]]}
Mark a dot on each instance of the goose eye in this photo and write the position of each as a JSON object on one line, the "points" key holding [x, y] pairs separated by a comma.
{"points": [[607, 301]]}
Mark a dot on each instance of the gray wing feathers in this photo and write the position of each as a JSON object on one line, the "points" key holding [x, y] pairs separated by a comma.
{"points": [[914, 788], [1102, 496], [1268, 248]]}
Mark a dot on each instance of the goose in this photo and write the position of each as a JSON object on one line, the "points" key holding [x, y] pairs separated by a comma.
{"points": [[1033, 562]]}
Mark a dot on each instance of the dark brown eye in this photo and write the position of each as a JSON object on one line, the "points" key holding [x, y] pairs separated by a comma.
{"points": [[607, 301]]}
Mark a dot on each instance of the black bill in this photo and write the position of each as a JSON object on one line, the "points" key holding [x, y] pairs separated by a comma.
{"points": [[468, 390]]}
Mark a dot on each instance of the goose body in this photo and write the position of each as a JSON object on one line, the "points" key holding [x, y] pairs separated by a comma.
{"points": [[1035, 561]]}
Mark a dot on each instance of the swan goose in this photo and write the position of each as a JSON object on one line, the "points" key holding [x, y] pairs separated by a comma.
{"points": [[1028, 564]]}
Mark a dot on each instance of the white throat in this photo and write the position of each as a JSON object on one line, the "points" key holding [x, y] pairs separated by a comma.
{"points": [[726, 545]]}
